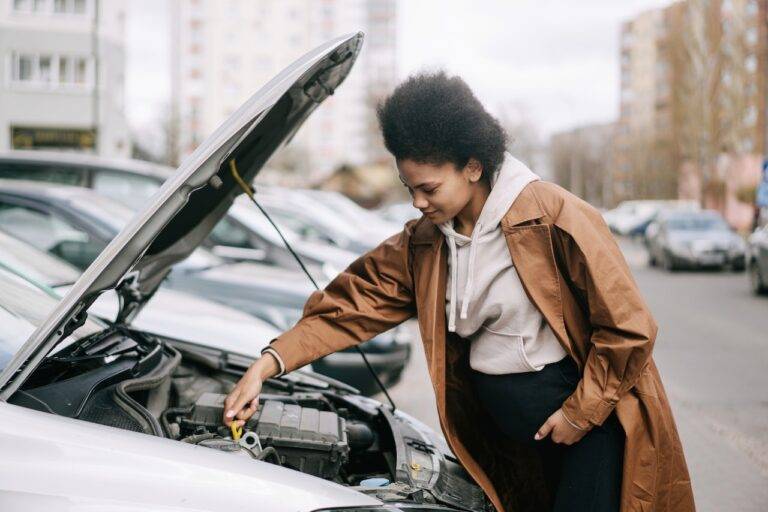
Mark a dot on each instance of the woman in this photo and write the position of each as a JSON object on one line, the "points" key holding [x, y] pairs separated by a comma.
{"points": [[537, 340]]}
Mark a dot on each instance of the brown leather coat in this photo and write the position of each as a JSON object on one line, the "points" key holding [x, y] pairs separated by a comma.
{"points": [[574, 272]]}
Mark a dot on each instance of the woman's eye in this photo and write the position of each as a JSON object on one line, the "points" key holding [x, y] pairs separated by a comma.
{"points": [[431, 190]]}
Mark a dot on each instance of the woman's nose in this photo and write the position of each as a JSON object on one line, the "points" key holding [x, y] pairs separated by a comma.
{"points": [[419, 202]]}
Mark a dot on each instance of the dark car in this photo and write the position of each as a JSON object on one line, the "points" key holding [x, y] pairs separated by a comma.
{"points": [[75, 224], [695, 239], [757, 260]]}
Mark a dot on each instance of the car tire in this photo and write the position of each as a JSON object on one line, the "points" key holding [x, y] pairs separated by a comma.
{"points": [[756, 280], [668, 263]]}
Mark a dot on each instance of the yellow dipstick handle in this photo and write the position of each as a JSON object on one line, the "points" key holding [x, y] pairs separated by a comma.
{"points": [[236, 431], [239, 179]]}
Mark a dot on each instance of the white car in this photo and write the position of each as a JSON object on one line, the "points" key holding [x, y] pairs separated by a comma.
{"points": [[111, 418]]}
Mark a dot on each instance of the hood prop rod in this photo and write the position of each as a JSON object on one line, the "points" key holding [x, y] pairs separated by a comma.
{"points": [[250, 193]]}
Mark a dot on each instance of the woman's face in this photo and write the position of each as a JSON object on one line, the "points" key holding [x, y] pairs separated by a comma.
{"points": [[440, 191]]}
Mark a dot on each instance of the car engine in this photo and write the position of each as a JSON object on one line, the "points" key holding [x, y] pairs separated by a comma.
{"points": [[304, 438]]}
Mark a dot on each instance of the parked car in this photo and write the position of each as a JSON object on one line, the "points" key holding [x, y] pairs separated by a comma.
{"points": [[695, 239], [243, 234], [632, 218], [119, 419], [171, 313], [757, 260], [76, 224], [129, 180], [370, 227]]}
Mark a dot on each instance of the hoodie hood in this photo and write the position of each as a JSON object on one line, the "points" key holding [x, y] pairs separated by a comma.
{"points": [[506, 184]]}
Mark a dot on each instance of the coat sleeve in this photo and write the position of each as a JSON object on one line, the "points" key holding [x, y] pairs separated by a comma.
{"points": [[623, 329], [372, 295]]}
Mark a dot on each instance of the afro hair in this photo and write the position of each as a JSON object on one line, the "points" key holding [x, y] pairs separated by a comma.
{"points": [[433, 118]]}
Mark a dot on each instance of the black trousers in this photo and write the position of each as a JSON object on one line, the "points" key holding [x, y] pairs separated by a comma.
{"points": [[584, 476]]}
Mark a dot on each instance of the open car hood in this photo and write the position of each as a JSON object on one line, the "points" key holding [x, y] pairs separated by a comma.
{"points": [[190, 203]]}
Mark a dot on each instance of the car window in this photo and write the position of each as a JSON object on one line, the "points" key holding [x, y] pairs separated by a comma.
{"points": [[231, 234], [696, 224], [53, 173], [303, 227], [132, 190], [49, 233]]}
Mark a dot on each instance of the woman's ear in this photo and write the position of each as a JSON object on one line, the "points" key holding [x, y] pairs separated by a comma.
{"points": [[475, 169]]}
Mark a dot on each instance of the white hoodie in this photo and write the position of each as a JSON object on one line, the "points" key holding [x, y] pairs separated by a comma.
{"points": [[507, 332]]}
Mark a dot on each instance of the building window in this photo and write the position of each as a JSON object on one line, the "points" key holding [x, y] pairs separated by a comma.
{"points": [[51, 71], [22, 5], [74, 7]]}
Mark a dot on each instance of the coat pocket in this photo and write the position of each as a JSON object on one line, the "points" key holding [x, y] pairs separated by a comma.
{"points": [[496, 353]]}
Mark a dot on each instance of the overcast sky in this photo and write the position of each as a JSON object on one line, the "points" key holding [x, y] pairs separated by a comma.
{"points": [[555, 60]]}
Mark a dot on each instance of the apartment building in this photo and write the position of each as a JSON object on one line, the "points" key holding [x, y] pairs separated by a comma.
{"points": [[223, 51], [62, 77]]}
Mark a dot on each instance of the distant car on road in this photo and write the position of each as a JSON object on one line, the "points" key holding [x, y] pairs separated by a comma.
{"points": [[632, 218], [695, 239], [757, 260]]}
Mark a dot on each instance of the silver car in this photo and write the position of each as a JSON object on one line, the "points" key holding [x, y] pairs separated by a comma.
{"points": [[690, 239]]}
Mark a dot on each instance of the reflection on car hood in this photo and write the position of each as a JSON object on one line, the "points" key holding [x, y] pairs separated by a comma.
{"points": [[190, 203], [140, 472]]}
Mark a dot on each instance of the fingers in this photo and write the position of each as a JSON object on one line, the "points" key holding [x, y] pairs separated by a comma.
{"points": [[229, 406], [545, 429], [248, 411]]}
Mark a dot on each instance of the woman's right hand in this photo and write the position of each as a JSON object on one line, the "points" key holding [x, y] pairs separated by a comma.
{"points": [[243, 400]]}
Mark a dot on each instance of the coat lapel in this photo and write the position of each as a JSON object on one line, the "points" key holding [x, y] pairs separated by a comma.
{"points": [[530, 247], [430, 271]]}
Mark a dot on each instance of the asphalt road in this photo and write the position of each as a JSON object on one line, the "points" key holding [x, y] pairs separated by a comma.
{"points": [[712, 352]]}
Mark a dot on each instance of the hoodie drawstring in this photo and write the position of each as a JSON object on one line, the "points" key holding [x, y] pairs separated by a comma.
{"points": [[455, 272], [470, 270], [454, 264]]}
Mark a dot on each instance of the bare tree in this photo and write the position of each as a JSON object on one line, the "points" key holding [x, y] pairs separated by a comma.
{"points": [[524, 138]]}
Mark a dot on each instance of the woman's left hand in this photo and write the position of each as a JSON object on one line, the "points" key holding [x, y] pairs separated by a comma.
{"points": [[562, 431]]}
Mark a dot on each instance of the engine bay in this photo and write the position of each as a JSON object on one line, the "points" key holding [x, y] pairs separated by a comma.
{"points": [[305, 422]]}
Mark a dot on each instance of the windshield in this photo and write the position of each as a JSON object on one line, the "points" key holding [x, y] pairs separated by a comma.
{"points": [[108, 211], [697, 224], [24, 306], [34, 263], [355, 214]]}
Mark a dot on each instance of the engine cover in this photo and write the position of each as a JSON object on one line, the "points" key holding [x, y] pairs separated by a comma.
{"points": [[307, 439]]}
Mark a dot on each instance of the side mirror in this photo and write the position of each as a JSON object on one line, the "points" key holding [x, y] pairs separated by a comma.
{"points": [[240, 253]]}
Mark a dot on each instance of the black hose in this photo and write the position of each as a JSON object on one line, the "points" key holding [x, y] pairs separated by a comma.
{"points": [[266, 452], [198, 438]]}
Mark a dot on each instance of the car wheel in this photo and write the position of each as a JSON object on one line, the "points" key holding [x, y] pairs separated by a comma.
{"points": [[668, 263], [756, 280]]}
